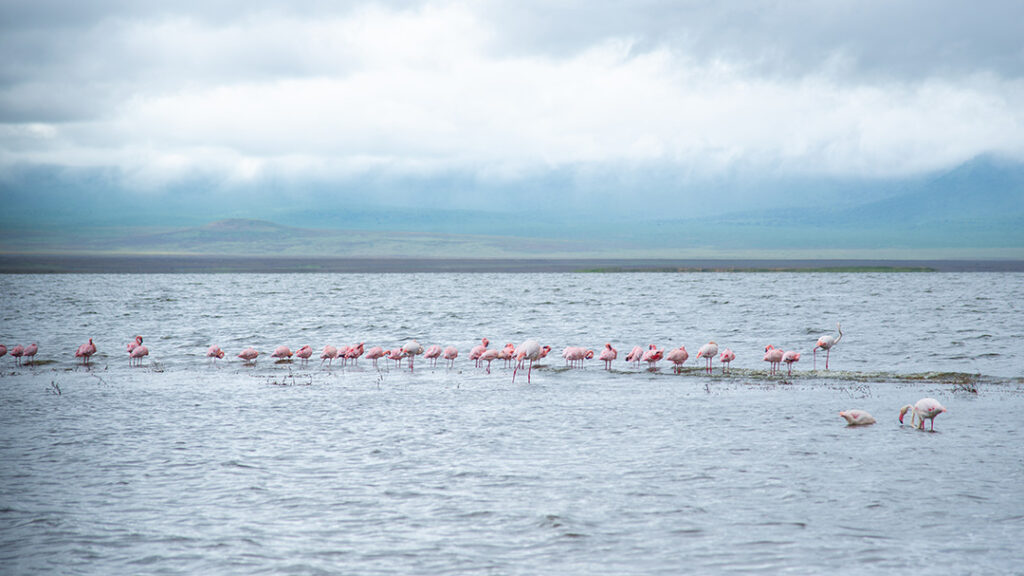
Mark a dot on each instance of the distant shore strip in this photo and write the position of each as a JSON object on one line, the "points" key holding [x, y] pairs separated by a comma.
{"points": [[206, 264]]}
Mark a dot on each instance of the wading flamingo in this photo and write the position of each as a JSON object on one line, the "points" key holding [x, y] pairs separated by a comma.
{"points": [[529, 350], [138, 352], [305, 353], [412, 349], [857, 417], [17, 352], [489, 356], [476, 351], [214, 352], [432, 353], [789, 358], [30, 352], [507, 353], [635, 355], [727, 357], [328, 355], [85, 351], [248, 355], [354, 352], [607, 355], [374, 353], [773, 355], [826, 343], [651, 356], [281, 352], [924, 409], [707, 352], [3, 350], [677, 357], [450, 354]]}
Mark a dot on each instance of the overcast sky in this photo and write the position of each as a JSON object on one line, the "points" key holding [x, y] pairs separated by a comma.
{"points": [[507, 92]]}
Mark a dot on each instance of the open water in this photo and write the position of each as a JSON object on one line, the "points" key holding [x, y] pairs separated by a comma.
{"points": [[183, 466]]}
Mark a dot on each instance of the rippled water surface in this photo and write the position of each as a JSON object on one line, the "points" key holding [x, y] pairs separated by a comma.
{"points": [[181, 466]]}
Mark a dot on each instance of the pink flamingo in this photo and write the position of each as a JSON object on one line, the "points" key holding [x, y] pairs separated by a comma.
{"points": [[651, 356], [773, 355], [412, 349], [134, 343], [138, 352], [214, 352], [727, 357], [635, 355], [248, 355], [305, 353], [529, 350], [30, 352], [3, 350], [857, 418], [476, 351], [395, 354], [789, 358], [17, 352], [354, 352], [489, 356], [826, 343], [507, 353], [677, 357], [432, 353], [607, 355], [281, 352], [924, 409], [374, 353], [85, 351], [707, 352], [329, 354], [450, 354], [575, 355]]}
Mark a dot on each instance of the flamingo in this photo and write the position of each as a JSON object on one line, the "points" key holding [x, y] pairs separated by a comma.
{"points": [[826, 343], [708, 352], [374, 353], [329, 354], [134, 343], [432, 353], [727, 357], [677, 357], [214, 352], [924, 409], [635, 355], [354, 352], [17, 352], [85, 351], [507, 353], [773, 355], [281, 352], [3, 350], [138, 352], [857, 418], [248, 355], [476, 351], [450, 354], [789, 358], [575, 355], [607, 355], [651, 356], [488, 356], [411, 349], [395, 354], [30, 352], [529, 350], [304, 353]]}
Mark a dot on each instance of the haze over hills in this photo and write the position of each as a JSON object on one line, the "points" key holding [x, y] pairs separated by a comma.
{"points": [[974, 211]]}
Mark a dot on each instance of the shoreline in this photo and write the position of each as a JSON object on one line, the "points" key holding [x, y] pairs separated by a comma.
{"points": [[206, 264]]}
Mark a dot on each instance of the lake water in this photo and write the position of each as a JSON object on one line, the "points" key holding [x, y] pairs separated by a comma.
{"points": [[183, 466]]}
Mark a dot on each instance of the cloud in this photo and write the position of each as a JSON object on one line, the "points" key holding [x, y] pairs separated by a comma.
{"points": [[506, 92]]}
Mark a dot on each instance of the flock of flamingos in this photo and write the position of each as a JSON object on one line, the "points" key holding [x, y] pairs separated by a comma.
{"points": [[530, 350]]}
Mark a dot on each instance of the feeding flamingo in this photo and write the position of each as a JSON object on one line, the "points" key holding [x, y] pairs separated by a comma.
{"points": [[214, 352], [708, 352], [476, 351], [30, 352], [677, 357], [607, 355], [412, 349], [329, 354], [826, 343], [529, 350], [789, 358], [281, 352], [924, 409], [354, 352], [727, 357], [374, 353], [432, 353], [773, 355], [17, 352], [85, 351], [857, 418]]}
